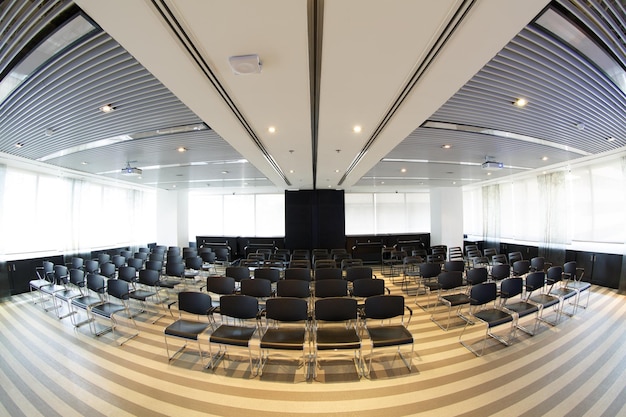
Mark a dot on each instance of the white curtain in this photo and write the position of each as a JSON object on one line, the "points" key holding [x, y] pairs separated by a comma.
{"points": [[553, 204], [491, 214]]}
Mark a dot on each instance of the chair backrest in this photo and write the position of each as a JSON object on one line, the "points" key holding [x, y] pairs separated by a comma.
{"points": [[107, 269], [270, 274], [303, 274], [173, 259], [454, 266], [91, 266], [535, 281], [148, 277], [96, 283], [118, 288], [220, 285], [273, 263], [359, 272], [569, 268], [368, 287], [477, 275], [127, 273], [328, 273], [382, 307], [61, 276], [350, 262], [194, 262], [77, 263], [336, 309], [554, 274], [430, 270], [489, 252], [436, 258], [104, 258], [288, 309], [77, 277], [175, 269], [194, 302], [293, 288], [325, 263], [469, 248], [484, 293], [423, 253], [337, 251], [480, 262], [331, 288], [126, 254], [300, 263], [222, 254], [256, 287], [514, 257], [208, 257], [521, 267], [237, 272], [155, 265], [511, 287], [500, 271], [250, 263], [118, 260], [455, 253], [257, 255], [450, 279], [499, 259], [537, 263], [156, 256], [144, 250], [301, 254], [239, 306], [136, 263]]}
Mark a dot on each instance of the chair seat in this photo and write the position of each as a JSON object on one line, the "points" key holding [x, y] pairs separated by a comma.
{"points": [[167, 284], [522, 308], [85, 301], [337, 338], [38, 283], [107, 309], [141, 295], [232, 335], [51, 289], [390, 336], [545, 299], [563, 292], [67, 294], [493, 317], [186, 329], [287, 339], [579, 285], [456, 299]]}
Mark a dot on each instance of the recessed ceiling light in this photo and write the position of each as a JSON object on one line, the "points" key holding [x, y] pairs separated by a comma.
{"points": [[271, 129], [337, 171], [107, 108], [84, 163], [291, 171], [245, 183], [453, 182], [382, 182], [403, 170], [174, 186], [446, 146], [520, 102], [19, 144], [489, 173], [610, 139], [330, 186], [224, 172], [356, 129], [544, 158], [182, 149]]}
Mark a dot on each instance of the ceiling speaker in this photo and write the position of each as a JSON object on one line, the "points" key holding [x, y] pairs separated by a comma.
{"points": [[245, 64]]}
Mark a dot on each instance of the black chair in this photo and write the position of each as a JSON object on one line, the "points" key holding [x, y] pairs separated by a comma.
{"points": [[514, 257], [300, 263], [94, 294], [270, 274], [237, 272], [45, 277], [520, 268], [154, 265], [108, 270], [574, 280], [92, 266], [411, 271], [480, 262], [175, 270], [500, 271], [208, 260], [128, 274], [455, 253], [483, 310], [140, 255], [499, 259], [193, 303], [454, 266], [146, 287], [126, 254], [489, 252], [59, 280], [324, 264], [335, 329], [350, 262], [118, 261], [535, 283], [222, 256], [261, 289], [428, 272], [286, 329], [136, 263], [537, 264], [328, 273], [510, 288], [379, 311], [144, 250], [104, 258], [293, 288], [76, 283], [476, 276], [119, 290], [193, 267], [363, 288], [558, 288], [359, 272], [303, 274], [76, 263], [331, 288], [239, 324], [451, 293]]}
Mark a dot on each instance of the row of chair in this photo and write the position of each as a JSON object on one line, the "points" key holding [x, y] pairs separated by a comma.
{"points": [[287, 324]]}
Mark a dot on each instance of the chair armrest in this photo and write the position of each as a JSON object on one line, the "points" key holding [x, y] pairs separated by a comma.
{"points": [[410, 314], [388, 291]]}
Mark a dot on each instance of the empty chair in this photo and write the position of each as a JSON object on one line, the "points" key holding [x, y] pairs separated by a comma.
{"points": [[76, 263], [325, 263], [250, 263], [76, 283], [359, 272], [469, 248], [500, 271], [574, 280], [454, 266], [483, 310], [476, 276], [237, 272], [423, 253], [135, 263], [286, 329], [108, 270], [335, 329], [514, 257], [118, 290], [104, 258], [489, 252], [480, 262], [93, 295], [222, 255], [143, 250], [363, 288], [59, 280], [520, 268], [451, 293], [173, 259], [499, 259], [157, 256], [511, 288], [260, 256], [537, 264], [220, 286], [270, 274], [338, 251], [331, 288], [208, 261], [455, 253], [154, 265], [127, 254], [293, 288], [350, 262], [427, 279], [273, 264], [300, 254], [118, 260], [91, 266], [193, 267], [441, 250], [261, 289], [45, 277], [379, 312], [193, 303], [266, 252], [239, 324], [328, 273], [303, 274], [558, 288], [410, 271], [128, 274], [340, 257], [535, 284], [175, 270], [436, 258], [300, 263]]}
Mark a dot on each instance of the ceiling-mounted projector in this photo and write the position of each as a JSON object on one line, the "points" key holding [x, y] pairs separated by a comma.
{"points": [[492, 165], [131, 171]]}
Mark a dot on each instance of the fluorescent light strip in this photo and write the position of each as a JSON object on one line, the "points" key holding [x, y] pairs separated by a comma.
{"points": [[197, 163], [424, 161], [124, 138], [501, 134]]}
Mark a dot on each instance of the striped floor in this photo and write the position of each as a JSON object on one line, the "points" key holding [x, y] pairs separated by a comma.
{"points": [[578, 368]]}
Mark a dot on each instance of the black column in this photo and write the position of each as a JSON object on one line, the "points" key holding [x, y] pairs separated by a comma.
{"points": [[315, 219]]}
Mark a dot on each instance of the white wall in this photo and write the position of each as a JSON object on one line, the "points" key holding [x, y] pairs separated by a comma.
{"points": [[167, 217], [446, 216]]}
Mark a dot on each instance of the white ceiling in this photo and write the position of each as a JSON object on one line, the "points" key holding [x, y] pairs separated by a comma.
{"points": [[327, 65]]}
